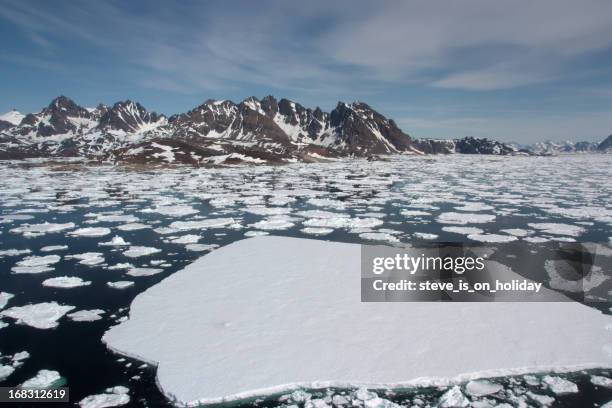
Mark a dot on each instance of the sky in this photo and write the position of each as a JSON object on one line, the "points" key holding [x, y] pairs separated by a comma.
{"points": [[520, 70]]}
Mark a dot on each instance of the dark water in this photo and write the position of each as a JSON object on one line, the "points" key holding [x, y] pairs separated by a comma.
{"points": [[74, 348]]}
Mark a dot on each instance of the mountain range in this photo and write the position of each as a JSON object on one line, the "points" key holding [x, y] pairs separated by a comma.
{"points": [[219, 132]]}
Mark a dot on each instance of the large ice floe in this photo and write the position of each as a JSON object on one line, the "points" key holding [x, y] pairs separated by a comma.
{"points": [[271, 314]]}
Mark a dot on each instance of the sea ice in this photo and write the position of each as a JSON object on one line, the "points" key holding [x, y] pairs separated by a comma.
{"points": [[202, 224], [120, 284], [86, 315], [4, 298], [480, 388], [91, 232], [463, 230], [560, 385], [144, 271], [36, 264], [492, 238], [425, 235], [65, 282], [5, 371], [465, 218], [601, 381], [44, 379], [54, 248], [44, 228], [116, 241], [138, 251], [558, 229], [317, 231], [200, 247], [134, 226], [105, 400], [88, 258], [40, 315], [260, 297]]}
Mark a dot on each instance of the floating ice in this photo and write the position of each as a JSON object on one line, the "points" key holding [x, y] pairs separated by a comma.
{"points": [[601, 381], [113, 397], [4, 298], [493, 238], [120, 284], [91, 232], [44, 379], [425, 235], [88, 258], [14, 252], [378, 236], [463, 230], [317, 231], [138, 251], [172, 210], [474, 207], [65, 282], [560, 385], [186, 239], [54, 248], [44, 228], [480, 388], [36, 264], [18, 358], [86, 315], [134, 226], [260, 297], [144, 271], [255, 233], [465, 218], [116, 241], [517, 232], [413, 213], [453, 398], [274, 223], [40, 315], [200, 247], [558, 229], [203, 224], [5, 371]]}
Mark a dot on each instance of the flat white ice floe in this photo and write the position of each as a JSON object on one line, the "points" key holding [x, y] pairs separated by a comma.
{"points": [[91, 232], [116, 241], [112, 397], [44, 379], [558, 229], [54, 248], [66, 282], [138, 251], [36, 264], [465, 218], [4, 298], [269, 314], [40, 315], [86, 315], [120, 284], [44, 228]]}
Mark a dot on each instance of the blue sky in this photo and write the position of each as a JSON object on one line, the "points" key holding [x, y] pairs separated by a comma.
{"points": [[517, 70]]}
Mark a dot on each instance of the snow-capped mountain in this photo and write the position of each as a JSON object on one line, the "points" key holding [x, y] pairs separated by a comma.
{"points": [[218, 131], [606, 145], [549, 147]]}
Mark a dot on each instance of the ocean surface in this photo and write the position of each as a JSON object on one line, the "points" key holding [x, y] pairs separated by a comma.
{"points": [[104, 223]]}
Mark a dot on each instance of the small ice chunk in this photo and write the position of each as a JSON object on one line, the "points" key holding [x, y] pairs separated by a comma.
{"points": [[88, 258], [4, 298], [44, 379], [40, 315], [560, 385], [317, 231], [116, 241], [558, 229], [414, 213], [44, 228], [186, 239], [120, 284], [91, 232], [200, 247], [14, 252], [517, 232], [453, 398], [463, 230], [480, 388], [54, 248], [601, 381], [5, 371], [36, 264], [255, 233], [66, 282], [425, 235], [134, 226], [542, 400], [144, 271], [492, 238], [104, 400], [465, 218], [86, 315], [378, 236], [18, 358], [138, 251]]}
